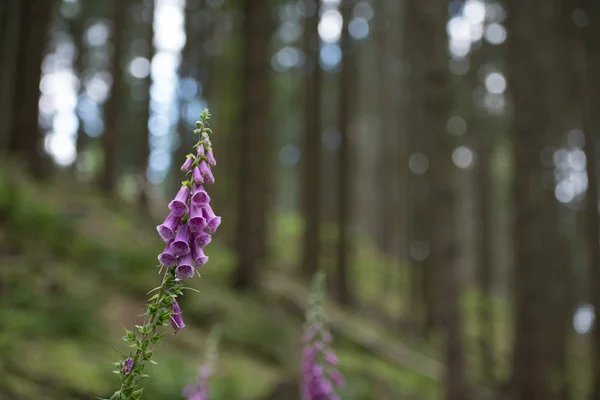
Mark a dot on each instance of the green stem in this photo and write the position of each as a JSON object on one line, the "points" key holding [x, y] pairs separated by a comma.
{"points": [[155, 309]]}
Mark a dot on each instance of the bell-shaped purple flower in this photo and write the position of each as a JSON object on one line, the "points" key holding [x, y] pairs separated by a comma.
{"points": [[206, 172], [197, 222], [198, 255], [167, 258], [179, 205], [181, 244], [176, 318], [197, 175], [167, 229], [187, 164], [318, 361], [201, 149], [211, 158], [185, 268], [337, 378], [212, 220], [199, 195], [127, 366], [202, 239], [331, 358]]}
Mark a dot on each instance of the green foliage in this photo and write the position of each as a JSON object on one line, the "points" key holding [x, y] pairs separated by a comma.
{"points": [[102, 275]]}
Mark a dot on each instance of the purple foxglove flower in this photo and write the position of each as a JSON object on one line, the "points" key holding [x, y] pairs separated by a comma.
{"points": [[167, 258], [198, 255], [185, 268], [187, 164], [337, 378], [202, 239], [320, 377], [331, 358], [181, 244], [206, 172], [167, 229], [196, 222], [127, 366], [211, 219], [179, 205], [197, 175], [201, 149], [176, 318], [211, 158], [199, 195]]}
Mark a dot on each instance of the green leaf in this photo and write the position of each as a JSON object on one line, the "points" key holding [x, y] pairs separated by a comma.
{"points": [[137, 394]]}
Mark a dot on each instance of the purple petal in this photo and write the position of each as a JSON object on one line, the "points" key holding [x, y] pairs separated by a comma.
{"points": [[202, 239], [127, 366], [187, 164], [199, 195], [206, 172], [337, 378], [167, 229], [185, 269], [198, 255], [331, 358], [167, 258], [180, 245], [201, 149], [196, 222], [179, 205], [212, 220], [197, 175], [176, 318], [211, 159]]}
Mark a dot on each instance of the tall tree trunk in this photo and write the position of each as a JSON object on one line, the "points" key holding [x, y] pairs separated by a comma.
{"points": [[9, 32], [344, 164], [110, 138], [144, 146], [541, 258], [590, 90], [482, 136], [32, 37], [253, 158], [77, 29], [419, 143], [311, 172], [432, 16], [387, 207]]}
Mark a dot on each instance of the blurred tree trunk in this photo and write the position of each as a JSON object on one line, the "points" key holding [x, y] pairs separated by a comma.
{"points": [[431, 15], [541, 255], [144, 146], [253, 157], [311, 172], [388, 148], [77, 28], [32, 36], [419, 141], [9, 31], [590, 91], [344, 163], [482, 136], [187, 69], [110, 137]]}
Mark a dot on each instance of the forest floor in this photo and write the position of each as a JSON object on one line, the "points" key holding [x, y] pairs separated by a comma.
{"points": [[74, 269]]}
